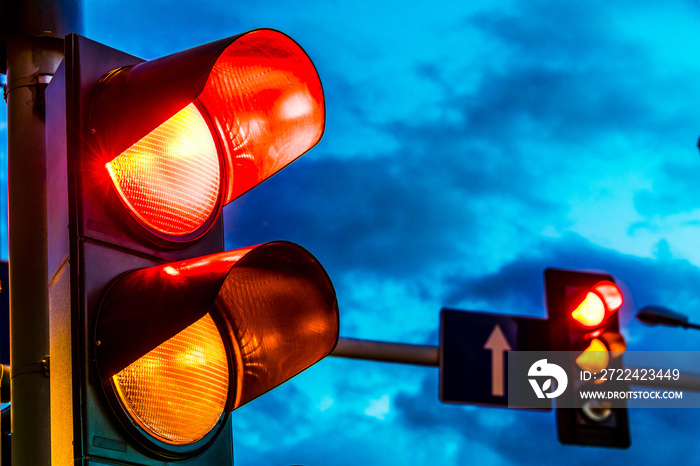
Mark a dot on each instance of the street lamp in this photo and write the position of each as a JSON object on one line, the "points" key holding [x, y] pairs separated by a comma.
{"points": [[656, 315]]}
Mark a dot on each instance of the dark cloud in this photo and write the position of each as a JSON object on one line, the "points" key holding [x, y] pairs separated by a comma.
{"points": [[340, 435], [497, 429], [401, 211], [584, 82], [554, 104], [156, 28], [539, 29], [327, 446], [676, 189], [375, 214], [650, 280], [453, 182], [517, 287], [576, 82]]}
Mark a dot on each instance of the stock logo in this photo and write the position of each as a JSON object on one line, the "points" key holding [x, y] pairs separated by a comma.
{"points": [[541, 369]]}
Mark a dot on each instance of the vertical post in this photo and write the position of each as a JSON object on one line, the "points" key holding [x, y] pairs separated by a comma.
{"points": [[29, 61], [33, 32]]}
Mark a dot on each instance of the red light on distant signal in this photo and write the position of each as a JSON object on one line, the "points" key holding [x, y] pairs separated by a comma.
{"points": [[591, 311], [604, 299]]}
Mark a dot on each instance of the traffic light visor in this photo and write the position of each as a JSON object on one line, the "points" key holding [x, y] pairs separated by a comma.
{"points": [[611, 294], [179, 344], [265, 100], [182, 135]]}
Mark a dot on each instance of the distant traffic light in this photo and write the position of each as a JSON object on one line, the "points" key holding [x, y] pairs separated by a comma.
{"points": [[584, 323], [160, 330]]}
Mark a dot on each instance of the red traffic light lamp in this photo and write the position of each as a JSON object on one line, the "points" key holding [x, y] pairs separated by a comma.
{"points": [[204, 126], [584, 324], [159, 332], [600, 301]]}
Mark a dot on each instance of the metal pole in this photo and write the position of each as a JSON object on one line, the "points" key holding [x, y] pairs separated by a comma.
{"points": [[34, 32], [387, 352], [28, 59], [430, 356]]}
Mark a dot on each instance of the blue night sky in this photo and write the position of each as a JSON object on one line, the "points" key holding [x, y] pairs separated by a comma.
{"points": [[468, 146]]}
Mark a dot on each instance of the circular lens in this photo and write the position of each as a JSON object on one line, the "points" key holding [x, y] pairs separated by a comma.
{"points": [[597, 411], [590, 312], [170, 180], [177, 392]]}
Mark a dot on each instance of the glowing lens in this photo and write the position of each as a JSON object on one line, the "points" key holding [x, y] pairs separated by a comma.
{"points": [[594, 358], [170, 179], [590, 312], [177, 392]]}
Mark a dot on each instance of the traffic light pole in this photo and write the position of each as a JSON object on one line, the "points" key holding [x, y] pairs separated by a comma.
{"points": [[29, 309], [33, 32], [420, 355], [387, 352]]}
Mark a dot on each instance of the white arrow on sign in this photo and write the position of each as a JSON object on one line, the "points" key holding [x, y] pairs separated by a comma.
{"points": [[497, 343]]}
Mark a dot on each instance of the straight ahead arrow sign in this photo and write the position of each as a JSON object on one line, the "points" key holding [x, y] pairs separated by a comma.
{"points": [[498, 344], [474, 343]]}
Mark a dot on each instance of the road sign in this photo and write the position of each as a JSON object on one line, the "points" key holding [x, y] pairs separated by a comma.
{"points": [[473, 347]]}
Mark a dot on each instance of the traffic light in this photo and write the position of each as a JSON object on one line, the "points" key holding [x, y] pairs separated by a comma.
{"points": [[157, 333], [584, 324]]}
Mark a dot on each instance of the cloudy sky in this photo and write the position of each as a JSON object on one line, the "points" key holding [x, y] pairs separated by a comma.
{"points": [[469, 145]]}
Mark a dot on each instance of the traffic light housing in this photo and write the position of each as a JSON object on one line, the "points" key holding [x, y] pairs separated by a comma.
{"points": [[584, 326], [157, 333]]}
